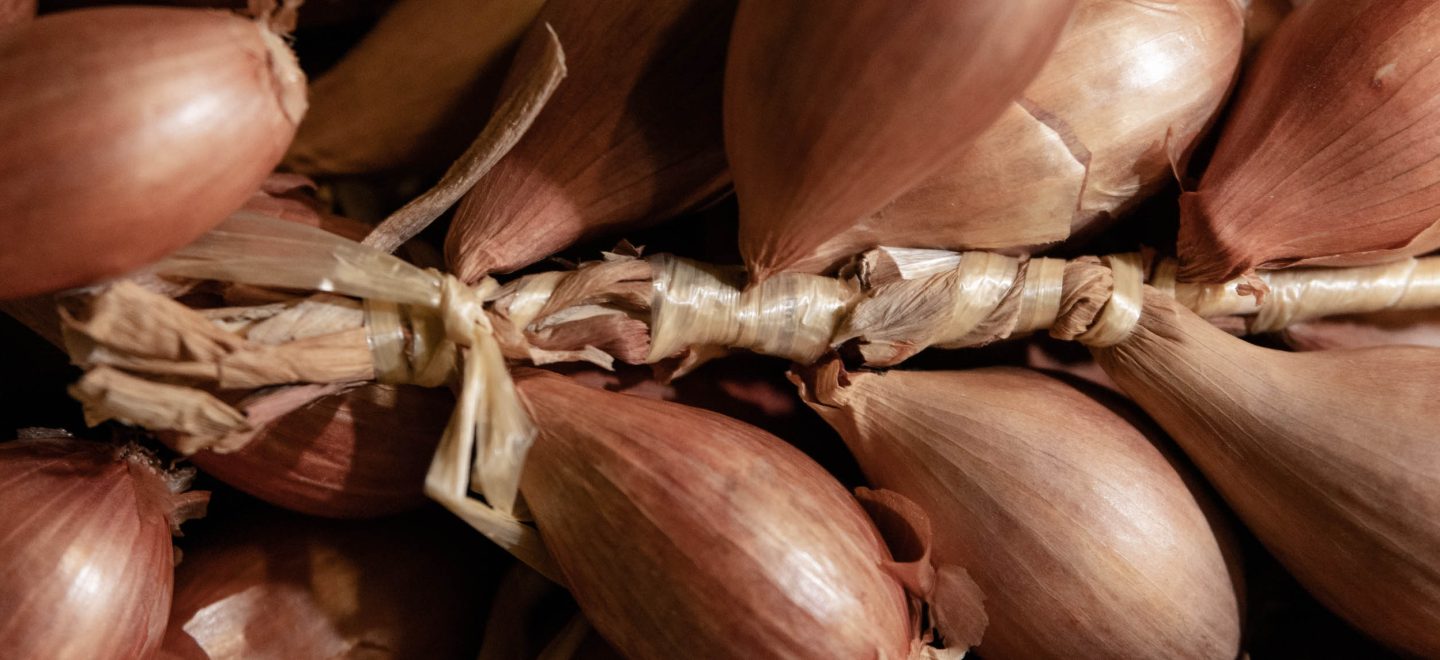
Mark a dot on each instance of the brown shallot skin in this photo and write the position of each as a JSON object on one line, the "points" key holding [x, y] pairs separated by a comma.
{"points": [[88, 564], [129, 131], [357, 454], [1168, 65], [1402, 328], [1328, 156], [1131, 86], [15, 12], [1329, 457], [414, 91], [833, 109], [683, 533], [1084, 537], [266, 585], [630, 138]]}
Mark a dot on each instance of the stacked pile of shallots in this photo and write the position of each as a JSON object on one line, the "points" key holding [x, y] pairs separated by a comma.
{"points": [[1021, 500]]}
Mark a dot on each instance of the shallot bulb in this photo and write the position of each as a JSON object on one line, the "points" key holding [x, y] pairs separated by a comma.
{"points": [[1329, 156], [88, 562], [1083, 534], [1408, 328], [539, 618], [358, 454], [833, 109], [274, 586], [414, 91], [130, 131], [1329, 457], [630, 138], [683, 533], [1131, 88]]}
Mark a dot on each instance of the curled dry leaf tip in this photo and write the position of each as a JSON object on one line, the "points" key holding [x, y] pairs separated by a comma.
{"points": [[630, 139]]}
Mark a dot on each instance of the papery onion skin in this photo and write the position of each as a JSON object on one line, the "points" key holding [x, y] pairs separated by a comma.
{"points": [[358, 454], [683, 533], [1329, 457], [1131, 87], [834, 109], [630, 138], [88, 563], [270, 585], [1327, 158], [130, 131], [1085, 538]]}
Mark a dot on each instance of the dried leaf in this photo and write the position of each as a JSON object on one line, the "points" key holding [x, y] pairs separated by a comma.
{"points": [[110, 394], [511, 120], [632, 139]]}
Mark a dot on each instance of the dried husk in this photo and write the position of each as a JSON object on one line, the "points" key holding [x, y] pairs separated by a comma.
{"points": [[525, 95], [355, 453], [1329, 457], [1084, 536], [359, 454], [1404, 328], [834, 109], [1327, 159], [1130, 89], [414, 91], [277, 586], [88, 562], [631, 138], [165, 121], [683, 533]]}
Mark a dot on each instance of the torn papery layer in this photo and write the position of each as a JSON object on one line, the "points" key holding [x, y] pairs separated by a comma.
{"points": [[891, 304], [142, 332], [376, 316], [915, 299]]}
